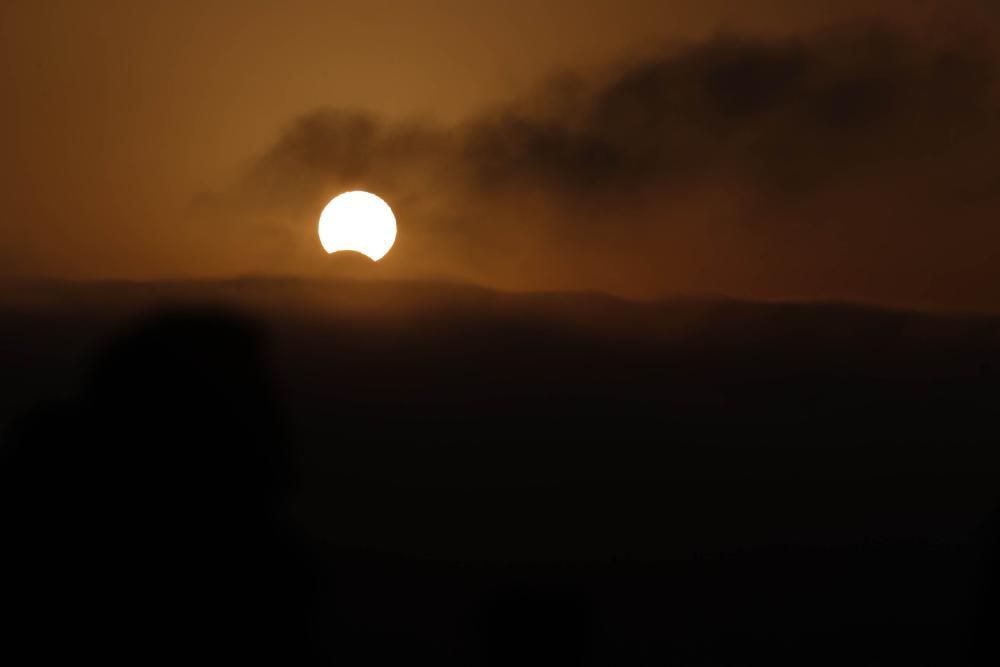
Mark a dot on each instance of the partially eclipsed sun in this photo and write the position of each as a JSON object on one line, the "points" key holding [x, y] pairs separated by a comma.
{"points": [[358, 221]]}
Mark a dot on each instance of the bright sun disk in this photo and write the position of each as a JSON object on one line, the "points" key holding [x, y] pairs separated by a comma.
{"points": [[358, 221]]}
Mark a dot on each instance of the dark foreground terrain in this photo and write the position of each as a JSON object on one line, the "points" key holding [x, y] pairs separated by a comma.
{"points": [[391, 473]]}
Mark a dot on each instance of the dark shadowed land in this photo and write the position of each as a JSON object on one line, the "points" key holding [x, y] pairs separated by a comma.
{"points": [[380, 472]]}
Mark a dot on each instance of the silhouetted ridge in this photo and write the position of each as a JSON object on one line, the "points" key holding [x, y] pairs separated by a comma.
{"points": [[491, 478]]}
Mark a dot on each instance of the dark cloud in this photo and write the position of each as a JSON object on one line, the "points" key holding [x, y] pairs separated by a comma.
{"points": [[803, 110], [813, 106], [865, 131]]}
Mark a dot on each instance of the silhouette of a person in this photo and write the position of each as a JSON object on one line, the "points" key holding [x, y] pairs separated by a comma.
{"points": [[147, 522]]}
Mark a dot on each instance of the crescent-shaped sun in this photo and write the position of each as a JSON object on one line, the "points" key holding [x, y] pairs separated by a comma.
{"points": [[358, 221]]}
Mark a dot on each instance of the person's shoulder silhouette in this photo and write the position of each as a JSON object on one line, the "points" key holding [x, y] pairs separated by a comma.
{"points": [[149, 519]]}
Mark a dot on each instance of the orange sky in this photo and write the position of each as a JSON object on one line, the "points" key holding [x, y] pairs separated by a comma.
{"points": [[120, 117]]}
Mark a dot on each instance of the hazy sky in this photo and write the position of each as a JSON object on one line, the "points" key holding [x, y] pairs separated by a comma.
{"points": [[768, 149]]}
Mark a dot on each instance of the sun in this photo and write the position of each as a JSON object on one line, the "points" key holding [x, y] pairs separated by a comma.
{"points": [[358, 221]]}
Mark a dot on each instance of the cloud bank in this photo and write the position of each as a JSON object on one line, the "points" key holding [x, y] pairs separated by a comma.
{"points": [[856, 162]]}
